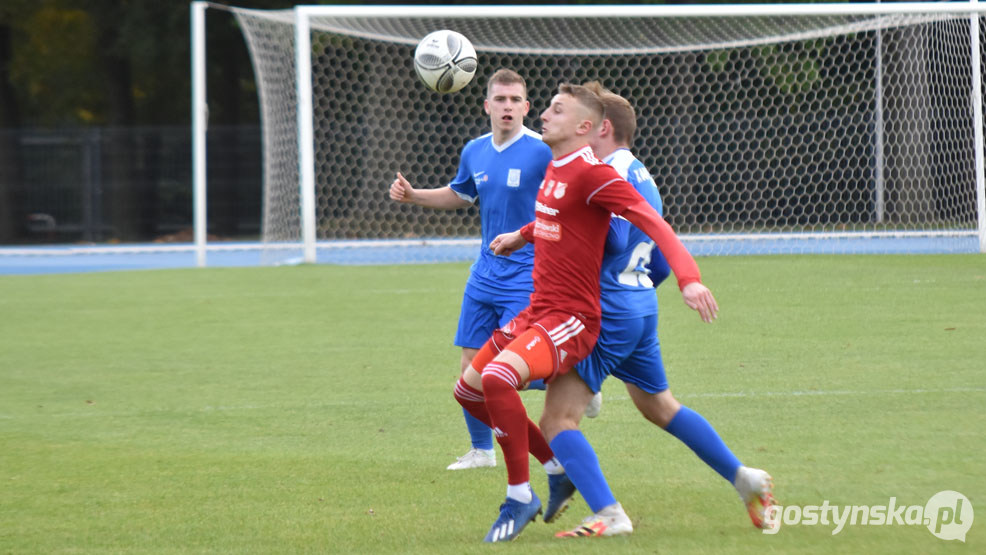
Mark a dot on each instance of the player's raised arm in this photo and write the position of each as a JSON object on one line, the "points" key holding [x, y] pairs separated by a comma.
{"points": [[443, 198], [401, 190]]}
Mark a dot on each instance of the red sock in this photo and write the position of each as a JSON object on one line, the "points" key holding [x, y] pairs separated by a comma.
{"points": [[510, 422], [472, 400], [536, 444], [475, 404]]}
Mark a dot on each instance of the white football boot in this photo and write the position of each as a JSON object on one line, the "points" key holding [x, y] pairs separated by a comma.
{"points": [[609, 521], [474, 458], [756, 489]]}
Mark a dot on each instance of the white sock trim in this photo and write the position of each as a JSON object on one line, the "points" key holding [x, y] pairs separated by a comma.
{"points": [[520, 492], [554, 466]]}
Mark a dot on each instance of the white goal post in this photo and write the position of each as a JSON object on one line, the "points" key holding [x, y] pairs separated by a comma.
{"points": [[768, 128]]}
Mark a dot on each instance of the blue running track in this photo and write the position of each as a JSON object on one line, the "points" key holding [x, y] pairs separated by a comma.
{"points": [[100, 258]]}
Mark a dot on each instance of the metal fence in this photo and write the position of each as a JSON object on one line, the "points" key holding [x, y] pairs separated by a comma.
{"points": [[133, 184]]}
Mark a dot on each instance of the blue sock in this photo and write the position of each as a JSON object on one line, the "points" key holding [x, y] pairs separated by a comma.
{"points": [[480, 434], [536, 384], [582, 467], [696, 432]]}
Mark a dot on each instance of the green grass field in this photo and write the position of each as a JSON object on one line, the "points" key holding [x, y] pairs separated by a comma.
{"points": [[309, 410]]}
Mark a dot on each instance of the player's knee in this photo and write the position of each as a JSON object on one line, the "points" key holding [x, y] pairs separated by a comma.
{"points": [[469, 387], [667, 407], [495, 381], [553, 424], [559, 415], [464, 394], [471, 378], [660, 408]]}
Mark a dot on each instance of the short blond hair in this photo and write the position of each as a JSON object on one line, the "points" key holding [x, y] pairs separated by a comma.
{"points": [[504, 76], [586, 97], [617, 110]]}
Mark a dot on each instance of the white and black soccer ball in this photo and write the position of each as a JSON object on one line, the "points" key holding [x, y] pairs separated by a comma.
{"points": [[445, 61]]}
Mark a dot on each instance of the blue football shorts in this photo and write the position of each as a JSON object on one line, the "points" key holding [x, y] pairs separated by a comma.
{"points": [[628, 350], [484, 312]]}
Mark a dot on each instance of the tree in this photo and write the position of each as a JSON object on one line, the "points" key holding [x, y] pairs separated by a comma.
{"points": [[9, 117]]}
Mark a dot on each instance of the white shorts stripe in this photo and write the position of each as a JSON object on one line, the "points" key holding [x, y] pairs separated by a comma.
{"points": [[570, 334], [565, 331], [561, 328]]}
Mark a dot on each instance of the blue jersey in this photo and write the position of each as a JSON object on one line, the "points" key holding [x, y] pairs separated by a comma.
{"points": [[505, 179], [626, 288]]}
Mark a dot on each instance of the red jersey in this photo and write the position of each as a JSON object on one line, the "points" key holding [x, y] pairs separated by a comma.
{"points": [[573, 208]]}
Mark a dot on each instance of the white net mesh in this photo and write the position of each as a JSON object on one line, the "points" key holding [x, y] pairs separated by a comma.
{"points": [[764, 134]]}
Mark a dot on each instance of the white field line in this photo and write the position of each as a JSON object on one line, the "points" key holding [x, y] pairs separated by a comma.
{"points": [[833, 392], [711, 395], [809, 393]]}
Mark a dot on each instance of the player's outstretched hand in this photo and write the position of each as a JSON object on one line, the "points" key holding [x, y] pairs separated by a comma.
{"points": [[506, 244], [401, 190], [698, 297]]}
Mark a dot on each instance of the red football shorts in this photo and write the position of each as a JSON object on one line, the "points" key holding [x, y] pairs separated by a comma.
{"points": [[550, 342]]}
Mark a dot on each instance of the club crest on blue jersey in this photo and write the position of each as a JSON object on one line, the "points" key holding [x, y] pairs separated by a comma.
{"points": [[513, 177]]}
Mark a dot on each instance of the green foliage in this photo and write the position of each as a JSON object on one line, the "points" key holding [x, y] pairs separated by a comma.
{"points": [[65, 54], [309, 409], [54, 68]]}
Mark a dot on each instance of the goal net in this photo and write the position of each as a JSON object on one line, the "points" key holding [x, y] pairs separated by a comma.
{"points": [[765, 132]]}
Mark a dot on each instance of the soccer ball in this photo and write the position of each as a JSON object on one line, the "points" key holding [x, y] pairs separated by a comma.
{"points": [[445, 61]]}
